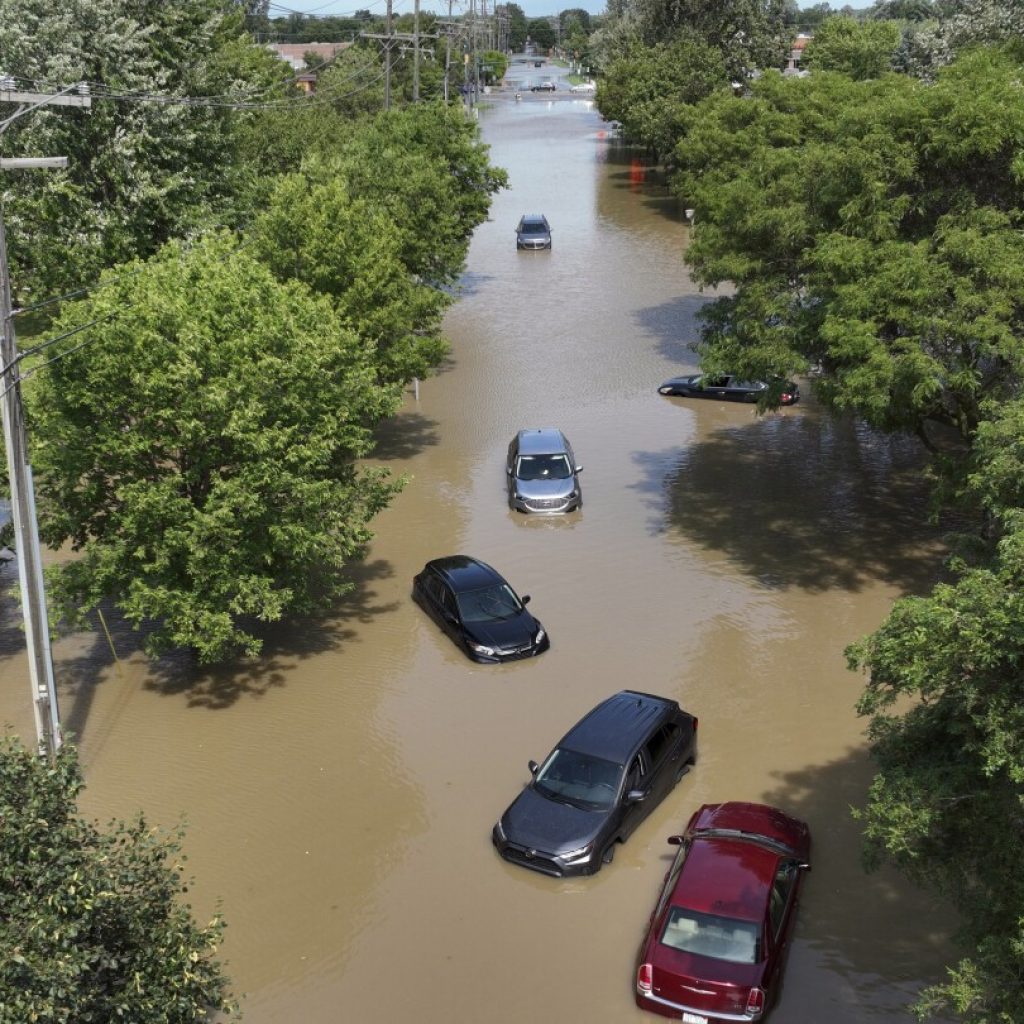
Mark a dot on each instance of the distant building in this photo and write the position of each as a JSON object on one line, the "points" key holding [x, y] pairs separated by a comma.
{"points": [[796, 54], [294, 54]]}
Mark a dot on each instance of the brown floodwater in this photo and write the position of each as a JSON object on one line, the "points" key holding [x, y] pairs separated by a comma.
{"points": [[340, 791]]}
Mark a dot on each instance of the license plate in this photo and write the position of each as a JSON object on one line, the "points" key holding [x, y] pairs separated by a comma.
{"points": [[694, 1018]]}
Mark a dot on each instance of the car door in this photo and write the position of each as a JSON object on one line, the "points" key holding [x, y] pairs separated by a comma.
{"points": [[781, 914], [664, 752], [637, 778], [510, 466], [716, 387]]}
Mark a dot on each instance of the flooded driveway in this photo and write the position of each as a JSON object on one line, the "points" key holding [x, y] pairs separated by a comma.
{"points": [[339, 793]]}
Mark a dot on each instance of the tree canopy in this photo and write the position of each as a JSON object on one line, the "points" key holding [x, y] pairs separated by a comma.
{"points": [[200, 450], [139, 172], [871, 229], [859, 49], [92, 923]]}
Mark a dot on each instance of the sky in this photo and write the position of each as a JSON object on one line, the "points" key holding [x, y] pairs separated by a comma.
{"points": [[342, 8]]}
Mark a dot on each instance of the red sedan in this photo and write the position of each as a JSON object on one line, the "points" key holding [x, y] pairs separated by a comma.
{"points": [[717, 940]]}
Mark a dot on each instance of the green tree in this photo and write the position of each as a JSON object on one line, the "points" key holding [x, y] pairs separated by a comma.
{"points": [[577, 15], [139, 172], [350, 250], [871, 228], [652, 90], [495, 64], [541, 34], [426, 167], [200, 450], [517, 28], [92, 924], [860, 49], [945, 700]]}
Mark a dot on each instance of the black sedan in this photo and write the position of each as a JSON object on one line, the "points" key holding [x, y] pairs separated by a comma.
{"points": [[728, 388], [476, 607]]}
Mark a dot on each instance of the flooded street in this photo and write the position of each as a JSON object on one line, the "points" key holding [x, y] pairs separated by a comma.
{"points": [[339, 793]]}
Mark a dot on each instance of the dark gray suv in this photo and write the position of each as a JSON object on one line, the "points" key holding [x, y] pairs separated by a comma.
{"points": [[607, 773], [542, 472]]}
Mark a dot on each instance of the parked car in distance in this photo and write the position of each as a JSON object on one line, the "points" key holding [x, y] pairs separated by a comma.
{"points": [[730, 389], [477, 608], [717, 940], [543, 86], [533, 232], [542, 473], [585, 87], [607, 773]]}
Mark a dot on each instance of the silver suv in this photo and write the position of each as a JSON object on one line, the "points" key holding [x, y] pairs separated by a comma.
{"points": [[542, 472]]}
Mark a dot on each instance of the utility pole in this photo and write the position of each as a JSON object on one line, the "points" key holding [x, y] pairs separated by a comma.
{"points": [[447, 49], [387, 64], [23, 505], [416, 52]]}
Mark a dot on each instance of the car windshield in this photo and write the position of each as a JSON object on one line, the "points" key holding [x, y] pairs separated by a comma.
{"points": [[590, 783], [534, 227], [723, 938], [488, 603], [543, 467]]}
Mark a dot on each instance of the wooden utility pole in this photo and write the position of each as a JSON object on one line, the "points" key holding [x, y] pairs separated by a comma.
{"points": [[416, 52], [387, 63], [23, 504]]}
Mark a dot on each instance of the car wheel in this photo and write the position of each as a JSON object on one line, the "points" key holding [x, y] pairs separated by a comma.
{"points": [[609, 853]]}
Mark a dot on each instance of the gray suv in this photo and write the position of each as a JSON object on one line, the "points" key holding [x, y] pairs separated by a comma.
{"points": [[542, 473]]}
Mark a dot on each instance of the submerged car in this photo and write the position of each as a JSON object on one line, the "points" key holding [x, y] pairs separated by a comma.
{"points": [[542, 473], [543, 87], [605, 776], [726, 387], [477, 608], [533, 232], [717, 940]]}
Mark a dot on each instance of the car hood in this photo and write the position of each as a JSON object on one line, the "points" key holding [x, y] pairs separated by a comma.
{"points": [[545, 488], [501, 633], [538, 823]]}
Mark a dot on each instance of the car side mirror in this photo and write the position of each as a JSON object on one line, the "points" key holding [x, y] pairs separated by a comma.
{"points": [[508, 469], [525, 599], [804, 866], [675, 840], [533, 766], [579, 469], [636, 796]]}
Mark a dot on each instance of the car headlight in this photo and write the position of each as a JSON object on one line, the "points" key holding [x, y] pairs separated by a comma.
{"points": [[583, 853], [488, 652], [539, 638]]}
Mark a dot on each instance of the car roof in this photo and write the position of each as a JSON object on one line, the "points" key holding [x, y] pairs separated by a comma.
{"points": [[617, 727], [529, 218], [542, 441], [464, 572], [726, 876]]}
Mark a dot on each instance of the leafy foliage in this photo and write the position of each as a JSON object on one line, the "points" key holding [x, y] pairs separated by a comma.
{"points": [[860, 49], [200, 451], [138, 172], [871, 229], [651, 90], [315, 232], [947, 803], [92, 927]]}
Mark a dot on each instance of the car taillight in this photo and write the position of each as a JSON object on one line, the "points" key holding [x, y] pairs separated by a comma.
{"points": [[645, 978], [786, 396], [755, 1002]]}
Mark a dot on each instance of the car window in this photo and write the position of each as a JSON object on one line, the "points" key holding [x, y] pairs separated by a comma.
{"points": [[488, 604], [673, 875], [636, 774], [582, 780], [662, 742], [781, 888], [434, 589], [543, 467], [714, 382], [723, 938]]}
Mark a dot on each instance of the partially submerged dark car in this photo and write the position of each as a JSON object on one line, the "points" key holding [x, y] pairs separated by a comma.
{"points": [[728, 388], [477, 608], [602, 779]]}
